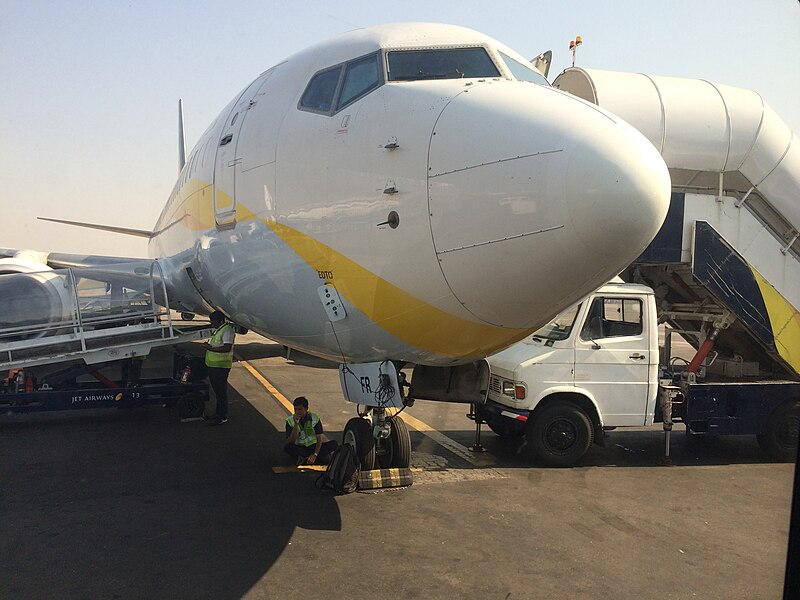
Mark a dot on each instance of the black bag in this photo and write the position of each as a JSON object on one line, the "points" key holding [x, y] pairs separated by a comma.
{"points": [[341, 476]]}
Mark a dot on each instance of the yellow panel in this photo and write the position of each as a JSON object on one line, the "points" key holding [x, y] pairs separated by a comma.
{"points": [[785, 321]]}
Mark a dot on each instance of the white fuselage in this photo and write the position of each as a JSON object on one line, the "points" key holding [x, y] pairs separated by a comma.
{"points": [[514, 200]]}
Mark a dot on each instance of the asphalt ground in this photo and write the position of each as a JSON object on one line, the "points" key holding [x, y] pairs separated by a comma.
{"points": [[135, 504]]}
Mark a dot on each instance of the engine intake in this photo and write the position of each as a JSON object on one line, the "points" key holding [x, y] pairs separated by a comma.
{"points": [[35, 298]]}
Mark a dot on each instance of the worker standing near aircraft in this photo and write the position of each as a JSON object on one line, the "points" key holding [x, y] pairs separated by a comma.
{"points": [[304, 439], [219, 360]]}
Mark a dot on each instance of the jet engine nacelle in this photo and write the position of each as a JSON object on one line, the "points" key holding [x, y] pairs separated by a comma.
{"points": [[34, 297]]}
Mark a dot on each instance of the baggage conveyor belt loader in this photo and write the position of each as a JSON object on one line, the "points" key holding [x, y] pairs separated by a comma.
{"points": [[68, 341], [723, 273]]}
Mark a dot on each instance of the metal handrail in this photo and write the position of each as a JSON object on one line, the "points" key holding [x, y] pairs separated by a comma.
{"points": [[95, 322]]}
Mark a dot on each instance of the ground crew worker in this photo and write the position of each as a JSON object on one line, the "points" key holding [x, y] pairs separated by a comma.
{"points": [[305, 442], [219, 360]]}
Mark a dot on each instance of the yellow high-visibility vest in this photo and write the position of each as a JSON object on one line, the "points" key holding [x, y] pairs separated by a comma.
{"points": [[306, 436], [219, 360]]}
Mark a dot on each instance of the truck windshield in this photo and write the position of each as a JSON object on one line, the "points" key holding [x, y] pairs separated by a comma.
{"points": [[560, 327]]}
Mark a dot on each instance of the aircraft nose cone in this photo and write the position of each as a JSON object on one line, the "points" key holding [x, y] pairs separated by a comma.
{"points": [[536, 199], [619, 191]]}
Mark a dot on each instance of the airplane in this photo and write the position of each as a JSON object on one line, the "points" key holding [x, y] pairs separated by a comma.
{"points": [[410, 193]]}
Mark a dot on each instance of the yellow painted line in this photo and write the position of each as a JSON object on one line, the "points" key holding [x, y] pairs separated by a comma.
{"points": [[268, 386], [477, 460], [298, 469]]}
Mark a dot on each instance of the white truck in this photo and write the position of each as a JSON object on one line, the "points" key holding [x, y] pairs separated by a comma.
{"points": [[595, 367]]}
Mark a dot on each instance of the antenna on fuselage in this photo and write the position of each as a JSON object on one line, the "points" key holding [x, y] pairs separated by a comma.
{"points": [[181, 141]]}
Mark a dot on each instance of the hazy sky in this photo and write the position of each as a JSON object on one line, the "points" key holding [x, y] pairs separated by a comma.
{"points": [[89, 89]]}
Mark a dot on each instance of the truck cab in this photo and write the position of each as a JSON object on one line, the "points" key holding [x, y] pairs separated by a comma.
{"points": [[594, 366]]}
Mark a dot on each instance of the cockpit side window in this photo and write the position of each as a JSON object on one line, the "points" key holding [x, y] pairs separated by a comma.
{"points": [[450, 63], [334, 88], [321, 90], [361, 77], [524, 72]]}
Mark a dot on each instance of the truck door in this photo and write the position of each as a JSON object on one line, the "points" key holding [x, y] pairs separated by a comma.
{"points": [[612, 358]]}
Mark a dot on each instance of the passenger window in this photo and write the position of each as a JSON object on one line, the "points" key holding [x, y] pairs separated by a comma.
{"points": [[455, 63], [361, 77], [321, 90], [613, 317], [524, 72]]}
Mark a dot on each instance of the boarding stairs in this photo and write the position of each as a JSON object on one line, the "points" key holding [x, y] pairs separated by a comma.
{"points": [[57, 316], [729, 251]]}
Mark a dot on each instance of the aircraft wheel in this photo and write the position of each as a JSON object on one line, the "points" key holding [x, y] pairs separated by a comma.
{"points": [[358, 433], [560, 435], [782, 433], [191, 405], [395, 451]]}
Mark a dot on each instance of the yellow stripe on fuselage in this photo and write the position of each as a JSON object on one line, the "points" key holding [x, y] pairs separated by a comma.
{"points": [[395, 310], [391, 308], [785, 322]]}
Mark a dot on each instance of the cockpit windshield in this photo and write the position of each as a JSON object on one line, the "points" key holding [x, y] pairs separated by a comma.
{"points": [[450, 63], [524, 72], [560, 327]]}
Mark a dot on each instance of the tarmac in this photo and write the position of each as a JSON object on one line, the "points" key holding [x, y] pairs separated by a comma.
{"points": [[135, 504]]}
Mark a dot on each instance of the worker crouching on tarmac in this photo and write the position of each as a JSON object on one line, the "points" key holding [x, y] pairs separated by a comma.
{"points": [[305, 441], [219, 360]]}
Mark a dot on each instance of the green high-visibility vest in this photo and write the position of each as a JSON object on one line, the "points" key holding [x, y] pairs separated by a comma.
{"points": [[306, 436], [219, 360]]}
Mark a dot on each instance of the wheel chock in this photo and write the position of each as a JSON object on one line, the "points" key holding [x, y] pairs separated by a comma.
{"points": [[384, 478]]}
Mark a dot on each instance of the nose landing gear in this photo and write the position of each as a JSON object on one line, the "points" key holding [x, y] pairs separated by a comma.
{"points": [[381, 441]]}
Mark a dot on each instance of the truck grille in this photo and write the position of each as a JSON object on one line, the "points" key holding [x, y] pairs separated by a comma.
{"points": [[495, 385]]}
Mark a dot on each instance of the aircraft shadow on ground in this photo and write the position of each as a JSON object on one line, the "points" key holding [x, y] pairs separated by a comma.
{"points": [[258, 350], [134, 504], [622, 449]]}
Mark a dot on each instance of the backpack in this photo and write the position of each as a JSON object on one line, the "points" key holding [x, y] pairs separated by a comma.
{"points": [[341, 476]]}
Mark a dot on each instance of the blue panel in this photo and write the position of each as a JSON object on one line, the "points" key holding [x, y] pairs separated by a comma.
{"points": [[734, 408], [666, 247], [726, 275]]}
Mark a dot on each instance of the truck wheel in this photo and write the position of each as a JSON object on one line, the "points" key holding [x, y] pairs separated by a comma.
{"points": [[780, 438], [358, 433], [560, 435], [191, 405], [395, 451]]}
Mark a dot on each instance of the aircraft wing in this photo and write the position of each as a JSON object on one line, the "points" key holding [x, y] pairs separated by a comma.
{"points": [[132, 273]]}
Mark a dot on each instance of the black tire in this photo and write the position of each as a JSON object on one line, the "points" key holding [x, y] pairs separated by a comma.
{"points": [[358, 433], [395, 451], [191, 405], [560, 435], [187, 316], [780, 438]]}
